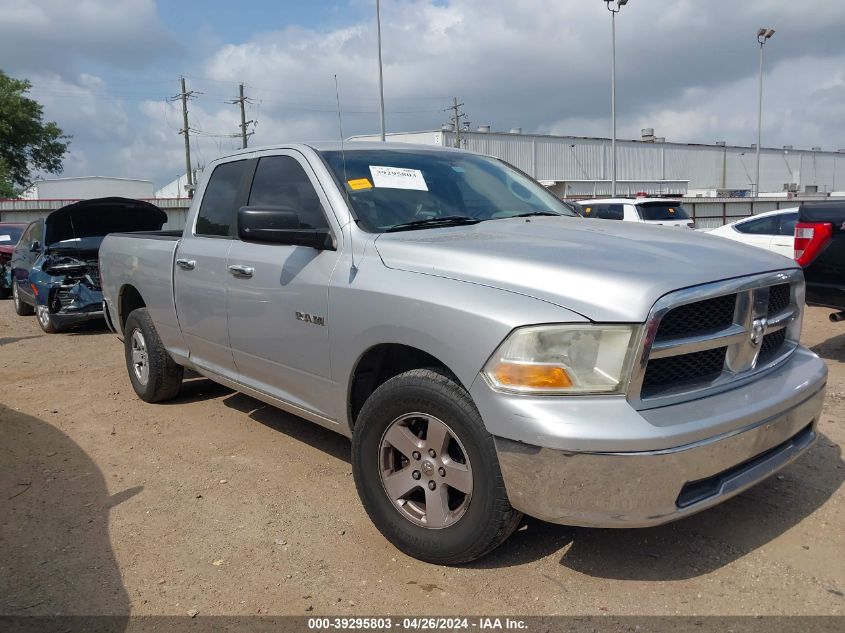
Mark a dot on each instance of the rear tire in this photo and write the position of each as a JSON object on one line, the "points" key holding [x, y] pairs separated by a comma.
{"points": [[21, 308], [422, 428], [153, 373], [45, 321]]}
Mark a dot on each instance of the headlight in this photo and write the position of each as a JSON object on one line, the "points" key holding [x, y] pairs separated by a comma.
{"points": [[564, 359]]}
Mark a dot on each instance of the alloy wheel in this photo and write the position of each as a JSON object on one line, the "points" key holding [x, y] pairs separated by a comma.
{"points": [[425, 470]]}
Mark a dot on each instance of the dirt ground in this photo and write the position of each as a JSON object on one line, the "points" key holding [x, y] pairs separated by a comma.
{"points": [[220, 504]]}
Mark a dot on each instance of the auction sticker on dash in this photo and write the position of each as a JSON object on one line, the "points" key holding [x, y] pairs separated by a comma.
{"points": [[398, 178]]}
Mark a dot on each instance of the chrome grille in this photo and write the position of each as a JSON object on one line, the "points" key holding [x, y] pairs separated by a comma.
{"points": [[712, 337], [778, 298], [692, 318], [683, 369]]}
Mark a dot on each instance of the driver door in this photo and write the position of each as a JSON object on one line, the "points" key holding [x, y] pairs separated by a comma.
{"points": [[278, 293]]}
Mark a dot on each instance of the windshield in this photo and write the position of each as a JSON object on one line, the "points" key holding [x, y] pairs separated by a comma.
{"points": [[78, 244], [388, 188], [662, 211], [10, 235]]}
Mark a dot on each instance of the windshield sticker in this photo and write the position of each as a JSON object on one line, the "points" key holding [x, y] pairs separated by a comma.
{"points": [[398, 178], [359, 183], [5, 238]]}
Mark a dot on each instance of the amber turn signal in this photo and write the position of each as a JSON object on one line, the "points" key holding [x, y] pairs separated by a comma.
{"points": [[532, 376]]}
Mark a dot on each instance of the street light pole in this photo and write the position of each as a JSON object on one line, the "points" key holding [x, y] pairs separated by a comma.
{"points": [[380, 73], [614, 6], [763, 35]]}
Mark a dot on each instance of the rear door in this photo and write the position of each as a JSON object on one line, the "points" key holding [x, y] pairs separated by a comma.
{"points": [[278, 294], [200, 275], [759, 231]]}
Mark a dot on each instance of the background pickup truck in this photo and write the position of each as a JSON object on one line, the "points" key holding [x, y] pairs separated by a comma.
{"points": [[489, 352], [820, 249]]}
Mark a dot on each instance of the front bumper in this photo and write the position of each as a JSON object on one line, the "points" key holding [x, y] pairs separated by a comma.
{"points": [[639, 488]]}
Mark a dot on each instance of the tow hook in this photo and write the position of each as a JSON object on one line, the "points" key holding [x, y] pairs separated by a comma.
{"points": [[836, 317]]}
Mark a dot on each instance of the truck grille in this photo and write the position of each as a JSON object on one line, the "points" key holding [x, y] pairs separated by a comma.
{"points": [[683, 369], [706, 338], [710, 314]]}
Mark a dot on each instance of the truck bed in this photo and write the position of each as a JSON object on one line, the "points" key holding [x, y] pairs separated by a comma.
{"points": [[142, 260]]}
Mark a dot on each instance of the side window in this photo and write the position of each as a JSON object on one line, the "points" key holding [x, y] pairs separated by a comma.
{"points": [[610, 211], [281, 181], [217, 211], [32, 234], [787, 223], [762, 226], [26, 238]]}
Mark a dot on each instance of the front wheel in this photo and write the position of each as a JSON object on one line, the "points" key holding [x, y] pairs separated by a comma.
{"points": [[427, 472], [45, 320], [153, 373], [21, 308]]}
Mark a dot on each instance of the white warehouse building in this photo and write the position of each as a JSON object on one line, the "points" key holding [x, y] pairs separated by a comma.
{"points": [[86, 187], [580, 166]]}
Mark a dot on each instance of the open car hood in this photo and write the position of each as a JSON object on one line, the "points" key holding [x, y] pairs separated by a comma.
{"points": [[101, 216]]}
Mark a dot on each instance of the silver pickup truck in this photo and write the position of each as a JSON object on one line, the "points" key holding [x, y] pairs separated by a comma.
{"points": [[488, 352]]}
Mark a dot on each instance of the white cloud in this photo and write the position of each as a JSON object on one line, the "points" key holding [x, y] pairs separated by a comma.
{"points": [[686, 68]]}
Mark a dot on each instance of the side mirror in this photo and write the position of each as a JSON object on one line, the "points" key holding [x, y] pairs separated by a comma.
{"points": [[280, 225], [35, 247]]}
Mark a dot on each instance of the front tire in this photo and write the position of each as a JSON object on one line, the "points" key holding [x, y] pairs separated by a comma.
{"points": [[153, 373], [45, 321], [427, 472], [21, 308]]}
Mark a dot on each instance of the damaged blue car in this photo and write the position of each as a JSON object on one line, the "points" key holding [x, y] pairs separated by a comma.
{"points": [[55, 267]]}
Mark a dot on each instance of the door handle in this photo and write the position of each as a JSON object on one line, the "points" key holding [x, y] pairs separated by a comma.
{"points": [[186, 264], [241, 271]]}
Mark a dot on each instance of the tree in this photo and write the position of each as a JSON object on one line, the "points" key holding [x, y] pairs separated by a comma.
{"points": [[28, 145]]}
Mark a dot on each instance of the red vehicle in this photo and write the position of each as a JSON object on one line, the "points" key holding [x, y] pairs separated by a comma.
{"points": [[10, 234]]}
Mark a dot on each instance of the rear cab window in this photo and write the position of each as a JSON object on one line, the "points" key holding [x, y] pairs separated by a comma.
{"points": [[662, 211]]}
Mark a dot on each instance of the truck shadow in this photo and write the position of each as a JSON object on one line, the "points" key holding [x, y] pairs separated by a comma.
{"points": [[694, 546], [297, 428], [832, 349], [54, 515]]}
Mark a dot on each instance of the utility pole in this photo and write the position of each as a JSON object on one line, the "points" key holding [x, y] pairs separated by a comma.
{"points": [[184, 96], [241, 101], [380, 72], [456, 119]]}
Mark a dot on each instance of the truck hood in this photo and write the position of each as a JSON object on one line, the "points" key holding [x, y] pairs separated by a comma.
{"points": [[101, 216], [606, 271]]}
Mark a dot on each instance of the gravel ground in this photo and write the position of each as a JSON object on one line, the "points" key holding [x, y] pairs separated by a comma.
{"points": [[219, 504]]}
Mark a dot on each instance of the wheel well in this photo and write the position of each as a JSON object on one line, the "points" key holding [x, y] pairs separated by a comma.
{"points": [[381, 363], [130, 299]]}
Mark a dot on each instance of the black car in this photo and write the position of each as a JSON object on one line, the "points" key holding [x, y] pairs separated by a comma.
{"points": [[820, 249]]}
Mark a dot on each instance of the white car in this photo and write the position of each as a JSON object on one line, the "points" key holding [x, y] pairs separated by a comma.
{"points": [[658, 211], [773, 230]]}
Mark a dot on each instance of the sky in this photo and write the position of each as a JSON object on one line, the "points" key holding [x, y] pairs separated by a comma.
{"points": [[105, 71]]}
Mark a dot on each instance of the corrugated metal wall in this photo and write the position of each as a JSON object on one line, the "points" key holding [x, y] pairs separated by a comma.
{"points": [[704, 166]]}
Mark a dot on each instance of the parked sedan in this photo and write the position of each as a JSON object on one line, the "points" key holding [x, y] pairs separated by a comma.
{"points": [[773, 231], [10, 235], [55, 268]]}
